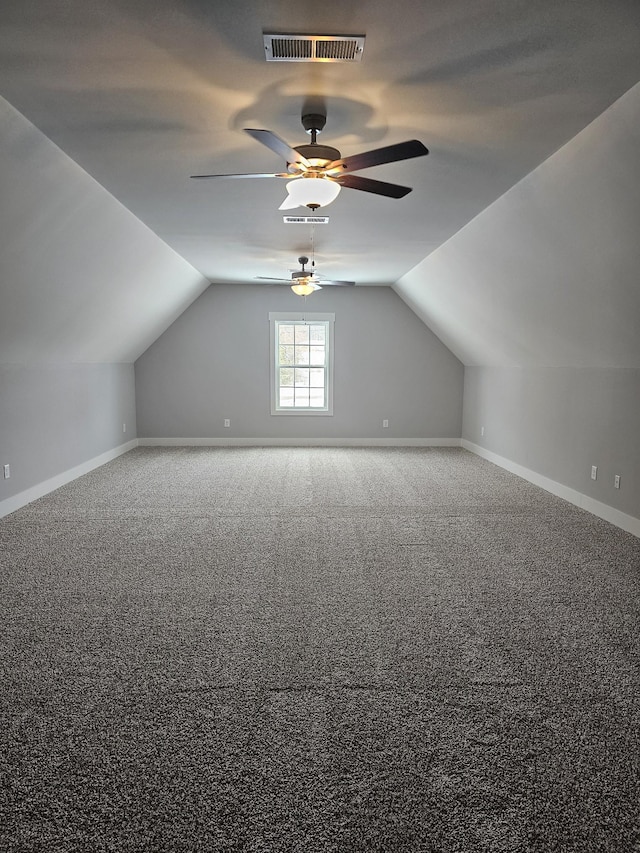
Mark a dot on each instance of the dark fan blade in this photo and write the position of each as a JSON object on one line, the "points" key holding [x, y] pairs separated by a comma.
{"points": [[388, 154], [324, 282], [355, 182], [279, 146], [256, 175]]}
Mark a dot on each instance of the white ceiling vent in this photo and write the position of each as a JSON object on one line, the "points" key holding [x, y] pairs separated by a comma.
{"points": [[305, 220], [279, 47]]}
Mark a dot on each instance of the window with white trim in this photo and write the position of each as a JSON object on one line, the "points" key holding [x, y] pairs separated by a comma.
{"points": [[301, 364]]}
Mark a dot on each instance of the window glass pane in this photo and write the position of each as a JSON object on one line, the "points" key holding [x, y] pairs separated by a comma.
{"points": [[285, 332], [286, 397], [301, 369], [317, 334], [286, 354], [316, 397], [316, 377], [302, 334], [301, 377], [286, 376], [302, 355], [316, 355]]}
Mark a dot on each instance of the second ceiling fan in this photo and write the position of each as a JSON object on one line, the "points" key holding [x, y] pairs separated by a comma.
{"points": [[303, 282], [317, 172]]}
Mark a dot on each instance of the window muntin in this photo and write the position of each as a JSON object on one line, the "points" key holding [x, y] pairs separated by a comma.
{"points": [[301, 375]]}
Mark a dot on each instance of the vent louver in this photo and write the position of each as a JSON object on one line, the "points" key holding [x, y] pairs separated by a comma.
{"points": [[305, 220], [280, 47]]}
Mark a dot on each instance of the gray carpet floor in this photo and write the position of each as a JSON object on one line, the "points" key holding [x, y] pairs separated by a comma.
{"points": [[319, 650]]}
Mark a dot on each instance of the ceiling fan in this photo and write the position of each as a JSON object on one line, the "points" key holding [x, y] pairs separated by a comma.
{"points": [[317, 172], [303, 282]]}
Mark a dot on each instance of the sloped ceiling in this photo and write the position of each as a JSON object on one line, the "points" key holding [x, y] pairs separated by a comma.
{"points": [[548, 274], [81, 279], [142, 93]]}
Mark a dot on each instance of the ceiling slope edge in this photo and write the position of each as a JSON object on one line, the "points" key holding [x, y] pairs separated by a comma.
{"points": [[82, 280], [547, 274]]}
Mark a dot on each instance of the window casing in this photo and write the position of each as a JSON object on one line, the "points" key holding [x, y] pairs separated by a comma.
{"points": [[301, 347]]}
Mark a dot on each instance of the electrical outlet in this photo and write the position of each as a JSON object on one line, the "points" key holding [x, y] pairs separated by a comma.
{"points": [[385, 424], [227, 422], [124, 427], [594, 472], [7, 471], [481, 430], [616, 481]]}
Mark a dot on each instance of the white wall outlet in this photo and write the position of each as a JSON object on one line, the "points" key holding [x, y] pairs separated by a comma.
{"points": [[616, 481], [124, 427], [227, 422], [481, 430], [594, 472], [385, 423], [7, 471]]}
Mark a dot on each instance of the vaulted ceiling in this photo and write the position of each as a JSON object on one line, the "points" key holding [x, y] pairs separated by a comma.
{"points": [[140, 94]]}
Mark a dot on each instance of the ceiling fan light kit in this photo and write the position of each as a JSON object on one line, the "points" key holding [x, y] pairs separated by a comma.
{"points": [[316, 173], [303, 282], [305, 287], [310, 192], [326, 166]]}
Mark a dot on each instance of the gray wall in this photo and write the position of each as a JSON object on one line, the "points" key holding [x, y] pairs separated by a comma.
{"points": [[55, 417], [539, 296], [559, 422], [213, 363], [84, 288]]}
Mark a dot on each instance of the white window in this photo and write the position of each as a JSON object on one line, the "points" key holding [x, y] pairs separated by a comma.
{"points": [[301, 364]]}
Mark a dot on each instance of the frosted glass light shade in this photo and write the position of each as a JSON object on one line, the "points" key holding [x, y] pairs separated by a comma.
{"points": [[304, 287], [310, 192]]}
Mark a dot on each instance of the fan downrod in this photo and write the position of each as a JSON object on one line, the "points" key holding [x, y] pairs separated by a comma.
{"points": [[303, 273], [314, 123], [319, 155]]}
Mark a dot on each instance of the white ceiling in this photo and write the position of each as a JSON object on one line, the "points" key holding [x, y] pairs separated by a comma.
{"points": [[143, 93]]}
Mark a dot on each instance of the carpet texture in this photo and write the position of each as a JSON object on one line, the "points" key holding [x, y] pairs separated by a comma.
{"points": [[319, 650]]}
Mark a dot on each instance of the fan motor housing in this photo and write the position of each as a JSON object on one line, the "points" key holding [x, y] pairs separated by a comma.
{"points": [[315, 152], [295, 274]]}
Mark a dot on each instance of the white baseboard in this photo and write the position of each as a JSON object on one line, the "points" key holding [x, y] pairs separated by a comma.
{"points": [[604, 511], [28, 495], [299, 442]]}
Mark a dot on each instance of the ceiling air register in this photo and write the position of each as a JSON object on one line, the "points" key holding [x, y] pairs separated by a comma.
{"points": [[281, 47]]}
